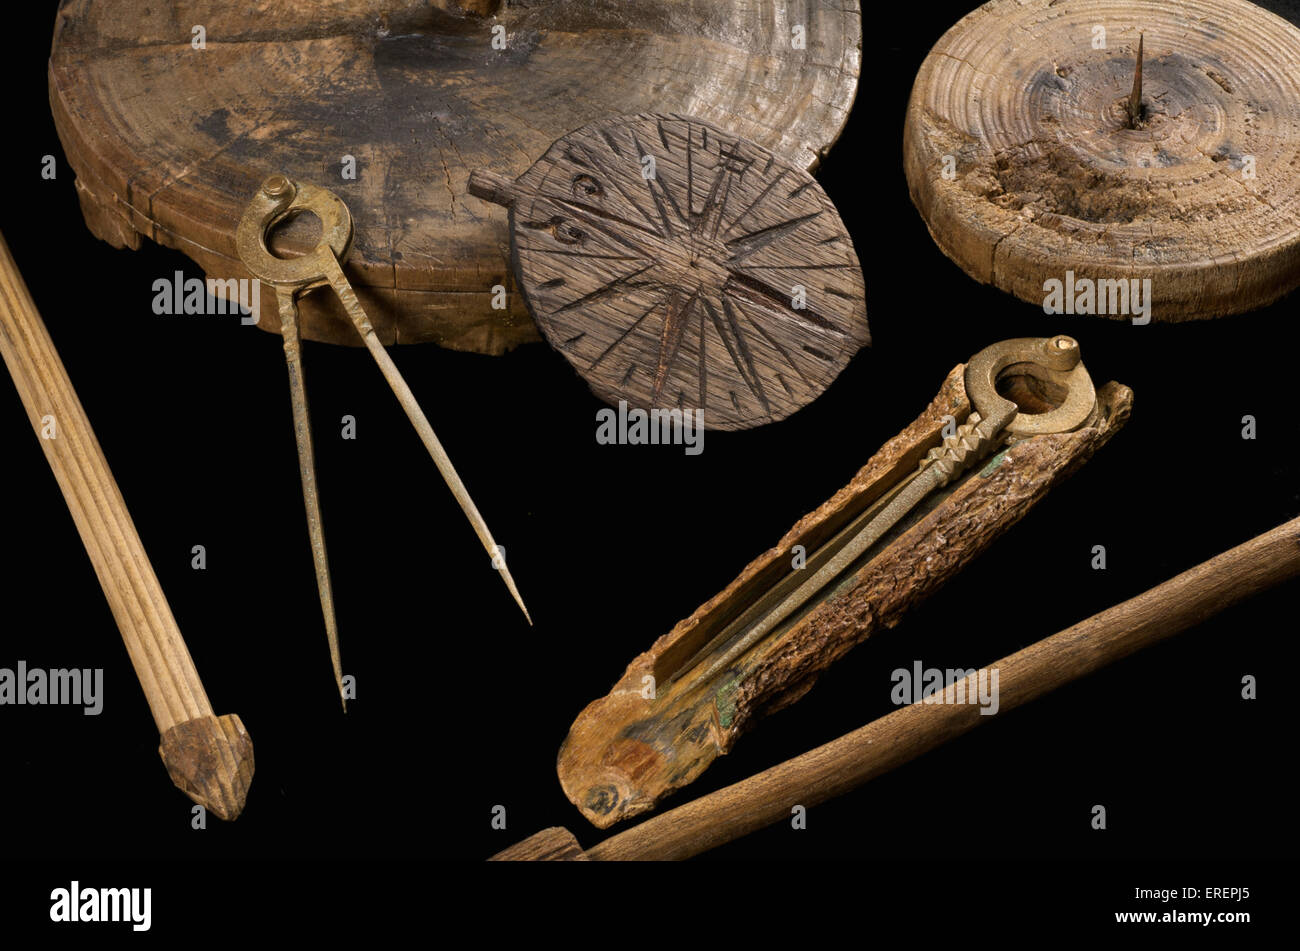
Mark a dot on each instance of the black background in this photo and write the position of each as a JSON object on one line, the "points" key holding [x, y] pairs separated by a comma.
{"points": [[461, 706]]}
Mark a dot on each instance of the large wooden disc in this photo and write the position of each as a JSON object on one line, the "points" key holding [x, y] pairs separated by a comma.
{"points": [[169, 142], [1045, 177], [678, 266]]}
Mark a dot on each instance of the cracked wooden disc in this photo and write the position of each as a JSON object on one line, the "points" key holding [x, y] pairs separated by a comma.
{"points": [[170, 141], [678, 266], [1025, 114]]}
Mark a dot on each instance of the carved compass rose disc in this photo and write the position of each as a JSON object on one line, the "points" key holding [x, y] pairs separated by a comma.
{"points": [[1028, 168], [677, 266]]}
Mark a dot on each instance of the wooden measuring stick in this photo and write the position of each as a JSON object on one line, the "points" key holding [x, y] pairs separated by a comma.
{"points": [[901, 736], [210, 758]]}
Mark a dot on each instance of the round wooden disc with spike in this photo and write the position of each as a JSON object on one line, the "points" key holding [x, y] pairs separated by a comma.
{"points": [[1047, 155], [677, 266], [172, 112]]}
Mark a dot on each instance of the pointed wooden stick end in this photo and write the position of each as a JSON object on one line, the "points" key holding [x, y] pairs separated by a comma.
{"points": [[514, 593], [1135, 97], [210, 759]]}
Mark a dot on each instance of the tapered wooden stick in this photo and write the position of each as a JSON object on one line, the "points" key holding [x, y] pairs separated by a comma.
{"points": [[210, 758], [846, 763], [292, 339], [348, 297], [1134, 108]]}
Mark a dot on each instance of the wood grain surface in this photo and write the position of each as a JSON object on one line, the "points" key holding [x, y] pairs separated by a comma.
{"points": [[210, 758], [169, 142], [555, 844], [1045, 177], [885, 744], [625, 752], [677, 266]]}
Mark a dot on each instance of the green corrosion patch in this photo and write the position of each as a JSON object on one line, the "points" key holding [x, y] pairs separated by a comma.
{"points": [[725, 702], [993, 464]]}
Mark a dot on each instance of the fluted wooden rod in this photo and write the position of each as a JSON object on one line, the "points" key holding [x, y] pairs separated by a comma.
{"points": [[210, 758]]}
